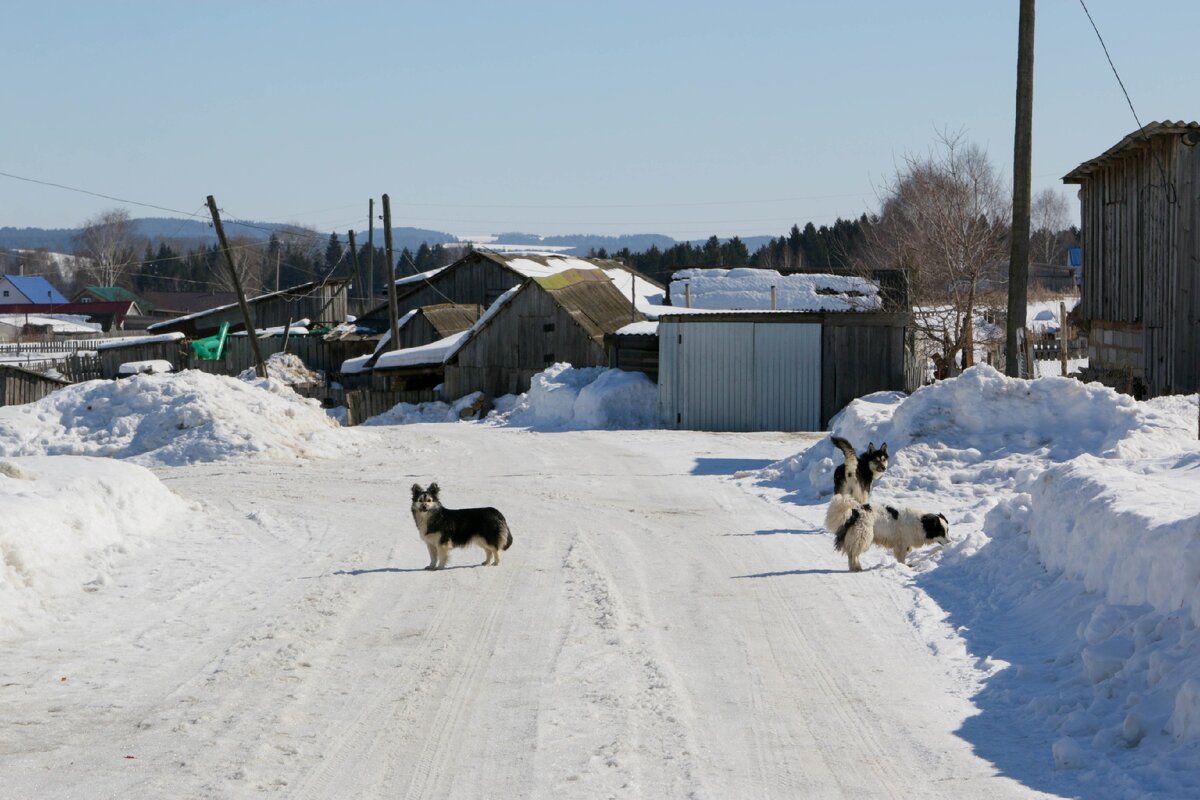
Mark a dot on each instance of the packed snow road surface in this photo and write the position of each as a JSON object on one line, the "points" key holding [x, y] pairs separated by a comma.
{"points": [[655, 631]]}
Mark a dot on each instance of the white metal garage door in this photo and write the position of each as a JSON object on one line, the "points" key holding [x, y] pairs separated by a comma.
{"points": [[740, 376]]}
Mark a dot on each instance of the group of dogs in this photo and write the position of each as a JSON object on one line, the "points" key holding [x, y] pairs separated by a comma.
{"points": [[855, 523]]}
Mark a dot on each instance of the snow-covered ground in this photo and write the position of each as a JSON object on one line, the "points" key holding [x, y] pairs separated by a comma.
{"points": [[239, 608]]}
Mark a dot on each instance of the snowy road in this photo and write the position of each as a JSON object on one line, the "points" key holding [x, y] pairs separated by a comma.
{"points": [[656, 631]]}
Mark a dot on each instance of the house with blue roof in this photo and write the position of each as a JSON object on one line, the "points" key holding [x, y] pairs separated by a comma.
{"points": [[28, 290]]}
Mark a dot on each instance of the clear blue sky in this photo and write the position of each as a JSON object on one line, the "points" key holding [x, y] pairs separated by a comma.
{"points": [[683, 118]]}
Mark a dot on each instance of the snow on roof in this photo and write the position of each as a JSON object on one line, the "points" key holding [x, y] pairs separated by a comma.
{"points": [[132, 340], [59, 323], [361, 363], [150, 366], [420, 276], [648, 328], [298, 328], [441, 351], [547, 265], [750, 289]]}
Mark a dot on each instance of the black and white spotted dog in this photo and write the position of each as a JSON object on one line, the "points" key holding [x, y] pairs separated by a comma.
{"points": [[901, 530], [444, 528], [855, 476]]}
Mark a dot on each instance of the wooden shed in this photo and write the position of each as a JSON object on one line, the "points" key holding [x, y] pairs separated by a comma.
{"points": [[1140, 213], [561, 317], [320, 302], [774, 370], [19, 385], [168, 347]]}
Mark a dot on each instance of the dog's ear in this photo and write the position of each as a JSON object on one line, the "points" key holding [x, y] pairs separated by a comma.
{"points": [[433, 490], [416, 490], [870, 446], [883, 448]]}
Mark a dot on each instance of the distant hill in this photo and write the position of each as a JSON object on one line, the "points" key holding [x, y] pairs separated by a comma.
{"points": [[188, 233], [580, 244]]}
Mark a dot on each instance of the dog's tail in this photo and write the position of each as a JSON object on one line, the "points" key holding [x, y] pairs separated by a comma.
{"points": [[507, 537], [840, 508], [846, 448], [839, 537]]}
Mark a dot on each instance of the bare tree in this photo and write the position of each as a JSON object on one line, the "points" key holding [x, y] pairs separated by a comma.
{"points": [[249, 259], [1051, 215], [110, 244], [945, 221]]}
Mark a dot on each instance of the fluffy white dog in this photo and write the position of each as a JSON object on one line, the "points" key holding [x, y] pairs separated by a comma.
{"points": [[856, 526]]}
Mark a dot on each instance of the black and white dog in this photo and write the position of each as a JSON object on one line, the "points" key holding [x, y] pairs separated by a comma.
{"points": [[901, 530], [444, 528], [854, 477]]}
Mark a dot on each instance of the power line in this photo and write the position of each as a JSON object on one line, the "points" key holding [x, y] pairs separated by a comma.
{"points": [[1103, 46], [95, 194]]}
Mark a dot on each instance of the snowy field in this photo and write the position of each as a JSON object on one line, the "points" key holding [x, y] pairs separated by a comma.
{"points": [[209, 590]]}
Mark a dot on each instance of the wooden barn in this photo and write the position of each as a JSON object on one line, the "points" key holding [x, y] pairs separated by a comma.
{"points": [[1140, 213], [560, 317], [19, 385], [774, 370], [481, 276], [321, 302]]}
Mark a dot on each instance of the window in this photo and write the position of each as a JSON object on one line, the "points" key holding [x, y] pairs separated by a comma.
{"points": [[6, 292]]}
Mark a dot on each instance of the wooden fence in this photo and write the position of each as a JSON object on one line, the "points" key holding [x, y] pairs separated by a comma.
{"points": [[362, 404], [19, 385]]}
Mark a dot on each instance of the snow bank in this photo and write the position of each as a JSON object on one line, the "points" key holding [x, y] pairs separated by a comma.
{"points": [[559, 398], [170, 420], [66, 522], [564, 398], [1072, 574]]}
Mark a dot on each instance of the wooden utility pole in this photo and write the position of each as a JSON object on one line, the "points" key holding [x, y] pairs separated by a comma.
{"points": [[391, 273], [1018, 262], [1062, 337], [371, 245], [362, 300], [260, 368]]}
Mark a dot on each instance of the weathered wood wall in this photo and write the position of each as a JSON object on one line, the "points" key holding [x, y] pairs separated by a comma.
{"points": [[860, 354], [524, 338], [634, 353], [19, 386], [1141, 241], [475, 280]]}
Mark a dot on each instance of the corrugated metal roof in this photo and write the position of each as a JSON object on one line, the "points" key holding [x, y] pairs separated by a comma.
{"points": [[1137, 139], [592, 300], [451, 318], [37, 289]]}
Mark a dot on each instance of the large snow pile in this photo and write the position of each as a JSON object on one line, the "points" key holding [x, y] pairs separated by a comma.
{"points": [[559, 398], [170, 419], [1073, 571], [66, 521], [565, 398], [750, 289]]}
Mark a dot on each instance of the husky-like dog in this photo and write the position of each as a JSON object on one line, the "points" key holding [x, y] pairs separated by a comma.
{"points": [[444, 528], [855, 476], [901, 530]]}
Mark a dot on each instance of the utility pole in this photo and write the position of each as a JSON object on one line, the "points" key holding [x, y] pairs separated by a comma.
{"points": [[1018, 262], [362, 301], [391, 273], [371, 246], [260, 368]]}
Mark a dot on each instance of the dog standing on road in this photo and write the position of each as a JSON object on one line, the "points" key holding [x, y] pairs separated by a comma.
{"points": [[444, 528], [900, 530]]}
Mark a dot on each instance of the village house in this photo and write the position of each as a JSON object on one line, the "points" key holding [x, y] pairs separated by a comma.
{"points": [[1140, 213], [18, 290]]}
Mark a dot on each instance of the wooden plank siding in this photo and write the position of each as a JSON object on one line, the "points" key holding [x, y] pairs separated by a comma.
{"points": [[564, 320], [1141, 258], [474, 280], [19, 386], [858, 357]]}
